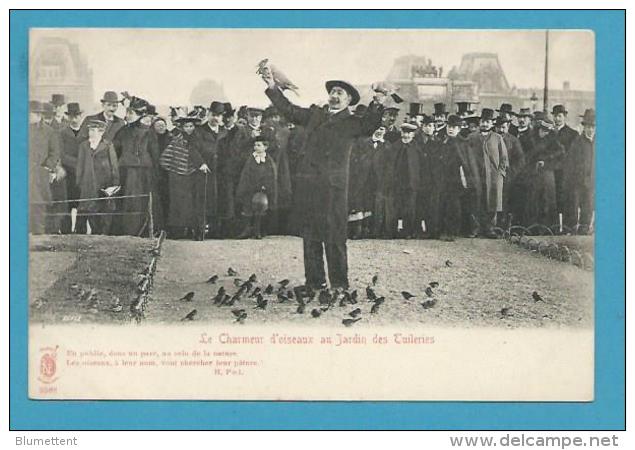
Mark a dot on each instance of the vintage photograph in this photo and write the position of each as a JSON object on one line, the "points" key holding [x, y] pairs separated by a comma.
{"points": [[343, 181]]}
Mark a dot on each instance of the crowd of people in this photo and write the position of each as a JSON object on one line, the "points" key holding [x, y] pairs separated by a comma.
{"points": [[218, 172]]}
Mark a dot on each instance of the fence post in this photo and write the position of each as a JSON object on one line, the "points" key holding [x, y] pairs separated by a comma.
{"points": [[151, 222]]}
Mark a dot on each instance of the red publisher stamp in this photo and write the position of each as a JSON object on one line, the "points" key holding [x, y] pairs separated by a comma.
{"points": [[48, 364]]}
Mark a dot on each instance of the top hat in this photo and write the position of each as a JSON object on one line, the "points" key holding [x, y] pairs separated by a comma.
{"points": [[439, 109], [347, 87], [408, 127], [57, 99], [416, 109], [217, 107], [557, 109], [35, 106], [506, 108], [487, 114], [73, 109], [463, 108], [454, 120], [110, 97], [524, 112], [588, 118]]}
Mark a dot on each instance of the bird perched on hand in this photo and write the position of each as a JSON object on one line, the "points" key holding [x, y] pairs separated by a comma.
{"points": [[261, 302], [536, 296], [279, 78], [429, 291], [189, 316], [231, 272], [429, 303], [187, 297], [349, 322], [354, 313], [213, 279], [407, 295]]}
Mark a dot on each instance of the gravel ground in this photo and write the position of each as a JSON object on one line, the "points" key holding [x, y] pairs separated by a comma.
{"points": [[79, 278], [489, 283]]}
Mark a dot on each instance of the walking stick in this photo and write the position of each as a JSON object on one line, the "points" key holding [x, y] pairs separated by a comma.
{"points": [[204, 207]]}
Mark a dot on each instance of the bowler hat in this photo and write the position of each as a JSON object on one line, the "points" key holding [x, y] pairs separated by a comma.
{"points": [[96, 123], [73, 109], [524, 112], [487, 114], [427, 119], [454, 120], [557, 109], [506, 108], [347, 87], [110, 97], [216, 107], [416, 109], [501, 120], [58, 99], [35, 106], [48, 109], [588, 118], [439, 109]]}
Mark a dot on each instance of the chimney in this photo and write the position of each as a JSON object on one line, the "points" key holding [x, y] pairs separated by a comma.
{"points": [[566, 86]]}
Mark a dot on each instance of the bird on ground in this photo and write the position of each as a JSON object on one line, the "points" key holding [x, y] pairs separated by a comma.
{"points": [[536, 296], [237, 282], [448, 263], [375, 308], [315, 313], [246, 286], [279, 78], [324, 297], [231, 272], [346, 299], [269, 289], [356, 312], [370, 294], [434, 284], [189, 316], [374, 280], [429, 303], [350, 322], [213, 279], [226, 301], [221, 291], [255, 292], [252, 278], [284, 283], [282, 298], [261, 302], [300, 309], [354, 297], [233, 300], [238, 312], [407, 295], [187, 297], [429, 291], [379, 300], [506, 312], [290, 294]]}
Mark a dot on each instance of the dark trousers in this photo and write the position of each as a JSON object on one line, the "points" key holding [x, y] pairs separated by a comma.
{"points": [[579, 197], [336, 259], [450, 213]]}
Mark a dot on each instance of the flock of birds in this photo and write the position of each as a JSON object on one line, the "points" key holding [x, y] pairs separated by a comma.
{"points": [[260, 297]]}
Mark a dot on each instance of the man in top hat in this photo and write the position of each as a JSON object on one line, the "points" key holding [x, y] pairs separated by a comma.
{"points": [[506, 112], [417, 113], [44, 155], [542, 162], [440, 115], [579, 176], [59, 120], [110, 104], [493, 163], [321, 197], [210, 134], [69, 143], [138, 161], [566, 135], [513, 187]]}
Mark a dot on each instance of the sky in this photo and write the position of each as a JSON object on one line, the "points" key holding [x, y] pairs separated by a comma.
{"points": [[164, 65]]}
